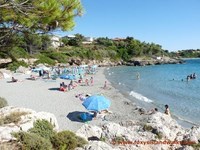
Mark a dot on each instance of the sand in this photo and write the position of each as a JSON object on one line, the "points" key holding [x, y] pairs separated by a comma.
{"points": [[42, 95]]}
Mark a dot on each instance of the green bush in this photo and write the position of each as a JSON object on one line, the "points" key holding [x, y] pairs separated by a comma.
{"points": [[15, 65], [60, 57], [3, 102], [43, 128], [67, 140], [45, 60], [31, 141], [18, 52]]}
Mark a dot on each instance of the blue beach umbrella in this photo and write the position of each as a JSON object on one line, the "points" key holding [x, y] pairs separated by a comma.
{"points": [[96, 103]]}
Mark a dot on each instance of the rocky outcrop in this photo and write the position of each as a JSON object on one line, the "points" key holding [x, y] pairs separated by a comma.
{"points": [[134, 62], [159, 132], [152, 62], [88, 131], [27, 118]]}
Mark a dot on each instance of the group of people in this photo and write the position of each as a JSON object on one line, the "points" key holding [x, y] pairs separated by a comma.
{"points": [[87, 81], [191, 76], [72, 84], [153, 111], [64, 87]]}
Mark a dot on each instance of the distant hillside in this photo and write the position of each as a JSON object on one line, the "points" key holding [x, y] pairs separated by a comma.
{"points": [[190, 53]]}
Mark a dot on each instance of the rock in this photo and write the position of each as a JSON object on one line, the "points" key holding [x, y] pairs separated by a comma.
{"points": [[27, 118], [98, 145], [88, 131], [193, 135], [24, 70], [164, 124]]}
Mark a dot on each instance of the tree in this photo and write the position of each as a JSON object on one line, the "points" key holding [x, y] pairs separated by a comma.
{"points": [[35, 16], [76, 41]]}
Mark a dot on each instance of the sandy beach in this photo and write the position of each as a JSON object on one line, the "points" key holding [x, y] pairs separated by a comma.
{"points": [[42, 95]]}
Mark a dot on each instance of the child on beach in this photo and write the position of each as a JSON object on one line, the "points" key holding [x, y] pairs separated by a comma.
{"points": [[14, 80], [87, 82], [63, 87], [167, 112], [105, 85], [91, 81]]}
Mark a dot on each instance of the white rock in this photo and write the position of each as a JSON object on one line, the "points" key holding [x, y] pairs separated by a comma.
{"points": [[26, 122], [98, 145], [87, 131]]}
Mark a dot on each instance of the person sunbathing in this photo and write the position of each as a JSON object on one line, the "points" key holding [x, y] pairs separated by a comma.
{"points": [[64, 89], [32, 77]]}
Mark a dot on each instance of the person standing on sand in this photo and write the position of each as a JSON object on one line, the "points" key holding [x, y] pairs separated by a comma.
{"points": [[167, 112], [105, 85], [91, 81]]}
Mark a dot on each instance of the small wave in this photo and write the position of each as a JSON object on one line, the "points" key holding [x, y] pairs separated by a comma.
{"points": [[140, 97], [185, 120]]}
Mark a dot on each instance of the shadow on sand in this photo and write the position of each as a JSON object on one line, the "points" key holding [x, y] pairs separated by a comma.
{"points": [[75, 116], [54, 89]]}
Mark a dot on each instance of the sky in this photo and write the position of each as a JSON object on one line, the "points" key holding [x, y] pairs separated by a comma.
{"points": [[173, 24]]}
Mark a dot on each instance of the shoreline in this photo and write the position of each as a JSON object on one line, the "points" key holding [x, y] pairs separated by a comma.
{"points": [[41, 95], [149, 105]]}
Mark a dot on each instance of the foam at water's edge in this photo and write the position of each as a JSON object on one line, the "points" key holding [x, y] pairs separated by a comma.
{"points": [[185, 120], [140, 97]]}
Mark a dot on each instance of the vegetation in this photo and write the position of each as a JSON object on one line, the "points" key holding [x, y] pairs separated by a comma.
{"points": [[159, 135], [147, 128], [196, 146], [13, 117], [3, 102], [42, 136], [31, 141], [14, 65], [11, 145], [118, 139], [67, 140], [189, 53], [43, 128], [39, 46], [27, 19]]}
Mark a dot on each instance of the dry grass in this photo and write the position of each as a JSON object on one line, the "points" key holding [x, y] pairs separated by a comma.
{"points": [[13, 145], [13, 117]]}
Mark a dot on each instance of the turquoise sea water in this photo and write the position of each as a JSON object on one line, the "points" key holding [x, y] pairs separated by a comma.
{"points": [[162, 84]]}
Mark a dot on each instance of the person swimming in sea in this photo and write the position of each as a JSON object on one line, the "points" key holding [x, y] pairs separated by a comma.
{"points": [[138, 75]]}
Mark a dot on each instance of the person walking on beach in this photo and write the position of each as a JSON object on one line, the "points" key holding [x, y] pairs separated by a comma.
{"points": [[91, 81], [167, 112]]}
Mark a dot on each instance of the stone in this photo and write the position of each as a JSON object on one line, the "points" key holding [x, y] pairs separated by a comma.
{"points": [[25, 123], [88, 131]]}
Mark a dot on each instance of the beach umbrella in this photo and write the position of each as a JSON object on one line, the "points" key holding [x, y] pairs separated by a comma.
{"points": [[96, 103]]}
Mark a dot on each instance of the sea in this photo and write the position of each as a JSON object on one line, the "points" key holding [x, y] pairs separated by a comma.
{"points": [[159, 85]]}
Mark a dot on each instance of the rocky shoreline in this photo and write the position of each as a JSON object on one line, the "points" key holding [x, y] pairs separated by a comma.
{"points": [[109, 63], [156, 131]]}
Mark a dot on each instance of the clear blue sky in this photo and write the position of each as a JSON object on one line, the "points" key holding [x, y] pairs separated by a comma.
{"points": [[174, 24]]}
